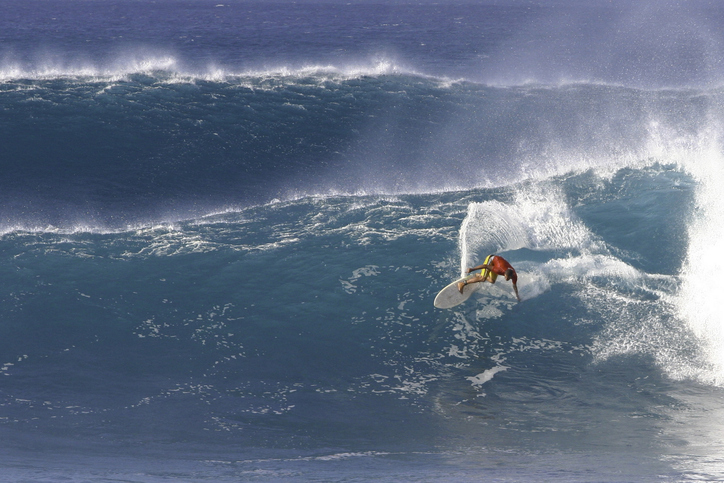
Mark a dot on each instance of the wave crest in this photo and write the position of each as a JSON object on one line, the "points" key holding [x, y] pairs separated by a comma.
{"points": [[168, 67]]}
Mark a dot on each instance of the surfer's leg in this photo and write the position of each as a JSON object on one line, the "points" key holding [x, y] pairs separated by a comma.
{"points": [[477, 278]]}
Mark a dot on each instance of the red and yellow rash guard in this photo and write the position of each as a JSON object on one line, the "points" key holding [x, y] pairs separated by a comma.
{"points": [[498, 267]]}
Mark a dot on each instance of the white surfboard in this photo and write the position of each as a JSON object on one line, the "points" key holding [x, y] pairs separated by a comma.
{"points": [[450, 296]]}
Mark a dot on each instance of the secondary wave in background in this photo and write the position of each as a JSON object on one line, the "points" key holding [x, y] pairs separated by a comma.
{"points": [[153, 146]]}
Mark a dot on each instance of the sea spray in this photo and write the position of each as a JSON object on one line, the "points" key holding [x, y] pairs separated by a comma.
{"points": [[701, 287]]}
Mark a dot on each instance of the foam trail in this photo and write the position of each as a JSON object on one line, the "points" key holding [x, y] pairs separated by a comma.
{"points": [[539, 219], [489, 227]]}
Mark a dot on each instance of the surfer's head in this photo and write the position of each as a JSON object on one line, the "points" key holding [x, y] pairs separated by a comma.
{"points": [[510, 273]]}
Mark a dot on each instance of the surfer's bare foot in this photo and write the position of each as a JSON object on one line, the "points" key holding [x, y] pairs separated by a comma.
{"points": [[460, 286]]}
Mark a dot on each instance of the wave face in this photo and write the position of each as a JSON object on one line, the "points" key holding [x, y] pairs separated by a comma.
{"points": [[223, 226]]}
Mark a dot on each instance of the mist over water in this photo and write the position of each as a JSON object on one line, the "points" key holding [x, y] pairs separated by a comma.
{"points": [[647, 45]]}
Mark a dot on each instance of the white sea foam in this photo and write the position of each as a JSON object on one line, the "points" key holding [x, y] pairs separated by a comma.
{"points": [[170, 68], [486, 376], [538, 219], [699, 300], [116, 70]]}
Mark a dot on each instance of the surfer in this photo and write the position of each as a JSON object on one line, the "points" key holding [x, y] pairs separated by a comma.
{"points": [[493, 266]]}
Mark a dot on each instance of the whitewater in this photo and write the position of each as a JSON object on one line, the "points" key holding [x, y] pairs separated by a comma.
{"points": [[223, 224]]}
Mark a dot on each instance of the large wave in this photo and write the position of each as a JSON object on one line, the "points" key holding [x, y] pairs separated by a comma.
{"points": [[147, 143]]}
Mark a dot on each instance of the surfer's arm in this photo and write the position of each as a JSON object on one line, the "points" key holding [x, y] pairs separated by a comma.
{"points": [[515, 287], [479, 267]]}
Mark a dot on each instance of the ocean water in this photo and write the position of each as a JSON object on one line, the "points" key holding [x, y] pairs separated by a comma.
{"points": [[223, 224]]}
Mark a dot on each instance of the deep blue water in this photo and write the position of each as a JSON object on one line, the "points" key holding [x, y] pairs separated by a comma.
{"points": [[222, 226]]}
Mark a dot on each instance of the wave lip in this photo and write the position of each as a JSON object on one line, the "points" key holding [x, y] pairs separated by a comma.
{"points": [[169, 66], [58, 69]]}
